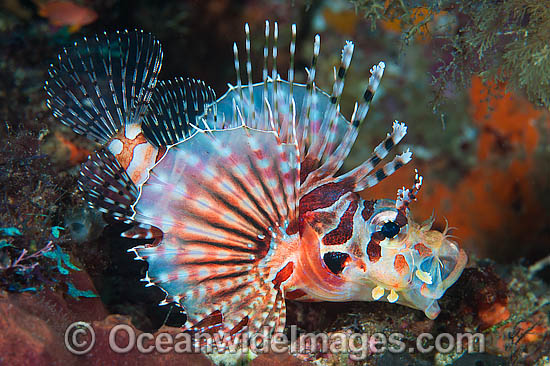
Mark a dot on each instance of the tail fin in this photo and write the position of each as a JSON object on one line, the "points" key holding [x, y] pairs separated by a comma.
{"points": [[104, 83]]}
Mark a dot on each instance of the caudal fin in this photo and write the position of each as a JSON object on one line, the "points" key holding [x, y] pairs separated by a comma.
{"points": [[104, 83]]}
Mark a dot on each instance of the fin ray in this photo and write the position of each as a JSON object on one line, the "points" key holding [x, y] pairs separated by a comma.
{"points": [[103, 83], [106, 185], [221, 198], [176, 107]]}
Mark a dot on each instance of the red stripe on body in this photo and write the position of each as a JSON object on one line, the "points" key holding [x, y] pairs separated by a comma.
{"points": [[240, 326], [283, 274], [295, 294], [344, 230], [423, 250], [368, 209], [211, 320], [325, 195]]}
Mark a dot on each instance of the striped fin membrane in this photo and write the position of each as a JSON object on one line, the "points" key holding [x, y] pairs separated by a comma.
{"points": [[108, 189], [176, 107], [107, 186], [222, 198], [105, 82], [308, 115]]}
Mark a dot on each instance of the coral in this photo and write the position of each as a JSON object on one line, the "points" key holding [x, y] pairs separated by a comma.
{"points": [[484, 294], [505, 41], [507, 123], [410, 19], [524, 335], [31, 190], [514, 37], [33, 328]]}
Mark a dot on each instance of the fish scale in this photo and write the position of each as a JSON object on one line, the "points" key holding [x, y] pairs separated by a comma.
{"points": [[243, 203]]}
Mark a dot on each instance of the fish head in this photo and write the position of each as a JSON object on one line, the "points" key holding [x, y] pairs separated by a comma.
{"points": [[403, 261]]}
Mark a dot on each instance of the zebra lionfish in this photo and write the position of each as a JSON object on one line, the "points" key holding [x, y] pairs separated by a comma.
{"points": [[240, 196]]}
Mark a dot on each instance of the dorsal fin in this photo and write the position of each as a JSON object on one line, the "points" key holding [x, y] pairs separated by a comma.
{"points": [[106, 185], [175, 109], [104, 83], [303, 113]]}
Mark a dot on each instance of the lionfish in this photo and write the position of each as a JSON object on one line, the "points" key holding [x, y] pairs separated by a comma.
{"points": [[240, 197]]}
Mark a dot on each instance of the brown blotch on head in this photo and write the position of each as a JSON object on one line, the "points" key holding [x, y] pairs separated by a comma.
{"points": [[355, 249], [325, 195], [367, 210], [423, 250], [401, 218], [344, 231], [400, 264], [374, 250]]}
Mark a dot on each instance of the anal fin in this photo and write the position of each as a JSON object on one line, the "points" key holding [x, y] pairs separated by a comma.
{"points": [[106, 185]]}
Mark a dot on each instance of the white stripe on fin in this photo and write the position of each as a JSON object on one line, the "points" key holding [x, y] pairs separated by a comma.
{"points": [[176, 107], [107, 186], [232, 207], [89, 88]]}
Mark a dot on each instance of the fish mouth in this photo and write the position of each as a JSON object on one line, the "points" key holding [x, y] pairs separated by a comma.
{"points": [[452, 264], [431, 269], [447, 268]]}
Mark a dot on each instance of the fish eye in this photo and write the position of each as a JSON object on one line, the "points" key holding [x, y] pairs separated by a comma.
{"points": [[390, 229], [335, 261], [387, 223]]}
